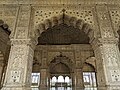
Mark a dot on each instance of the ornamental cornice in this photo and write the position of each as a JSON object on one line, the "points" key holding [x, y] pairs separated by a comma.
{"points": [[30, 42], [97, 42]]}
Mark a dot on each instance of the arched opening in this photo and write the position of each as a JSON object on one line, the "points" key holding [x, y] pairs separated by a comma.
{"points": [[59, 41], [67, 79], [54, 79], [60, 72], [89, 76], [61, 79]]}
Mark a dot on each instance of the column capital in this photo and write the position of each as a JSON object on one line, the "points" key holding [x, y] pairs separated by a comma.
{"points": [[19, 64], [29, 42], [97, 42]]}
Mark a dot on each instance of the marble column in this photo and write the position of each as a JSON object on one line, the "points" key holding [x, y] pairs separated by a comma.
{"points": [[79, 79], [43, 79], [108, 63], [19, 69]]}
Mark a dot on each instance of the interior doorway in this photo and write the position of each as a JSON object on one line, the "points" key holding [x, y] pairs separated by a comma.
{"points": [[60, 73], [89, 76]]}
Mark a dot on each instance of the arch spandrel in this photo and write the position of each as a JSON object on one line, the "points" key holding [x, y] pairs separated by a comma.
{"points": [[8, 13], [41, 13]]}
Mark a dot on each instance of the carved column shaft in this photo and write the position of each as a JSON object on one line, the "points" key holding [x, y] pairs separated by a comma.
{"points": [[43, 79], [100, 69], [19, 69], [106, 51], [107, 54], [18, 74], [106, 29], [79, 79]]}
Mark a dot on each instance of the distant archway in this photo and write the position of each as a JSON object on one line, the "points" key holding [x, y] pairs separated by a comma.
{"points": [[60, 65], [60, 69]]}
